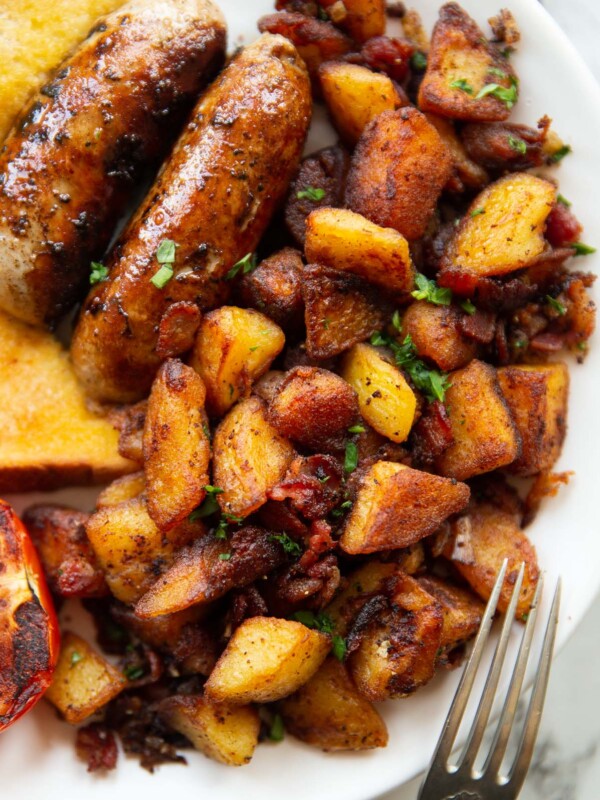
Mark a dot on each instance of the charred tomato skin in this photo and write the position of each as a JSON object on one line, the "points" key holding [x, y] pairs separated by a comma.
{"points": [[29, 633]]}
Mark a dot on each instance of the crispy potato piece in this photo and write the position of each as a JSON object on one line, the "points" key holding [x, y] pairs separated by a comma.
{"points": [[177, 329], [329, 713], [125, 488], [461, 610], [176, 445], [266, 659], [267, 386], [414, 30], [509, 234], [385, 399], [467, 173], [347, 241], [130, 548], [340, 310], [83, 681], [397, 506], [355, 95], [314, 407], [234, 347], [249, 458], [361, 19], [480, 541], [200, 574], [437, 336], [537, 397], [485, 436], [370, 579], [129, 421], [460, 63], [228, 734], [398, 652], [398, 171], [275, 287]]}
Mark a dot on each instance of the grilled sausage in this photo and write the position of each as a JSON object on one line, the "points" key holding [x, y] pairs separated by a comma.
{"points": [[214, 199], [70, 166]]}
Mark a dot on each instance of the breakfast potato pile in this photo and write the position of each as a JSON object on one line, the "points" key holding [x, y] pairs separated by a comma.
{"points": [[329, 373]]}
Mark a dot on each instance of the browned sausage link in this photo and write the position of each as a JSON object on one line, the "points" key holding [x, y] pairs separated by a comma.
{"points": [[214, 198], [71, 164]]}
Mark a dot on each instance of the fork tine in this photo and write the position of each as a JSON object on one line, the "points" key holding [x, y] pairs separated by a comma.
{"points": [[534, 712], [502, 735], [457, 709], [489, 692]]}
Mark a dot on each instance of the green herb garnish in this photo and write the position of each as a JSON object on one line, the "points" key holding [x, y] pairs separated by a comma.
{"points": [[561, 153], [224, 556], [245, 265], [341, 509], [468, 306], [476, 212], [432, 383], [516, 144], [311, 193], [351, 457], [429, 290], [208, 506], [357, 429], [134, 673], [321, 622], [339, 648], [418, 61], [290, 547], [165, 255], [508, 96], [582, 249], [76, 657], [556, 305], [463, 85], [98, 274], [563, 201], [277, 730]]}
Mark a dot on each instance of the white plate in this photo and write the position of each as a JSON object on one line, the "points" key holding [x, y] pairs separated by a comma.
{"points": [[37, 759]]}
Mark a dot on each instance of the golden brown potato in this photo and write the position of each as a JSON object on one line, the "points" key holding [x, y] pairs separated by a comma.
{"points": [[340, 310], [396, 506], [507, 232], [130, 548], [314, 407], [398, 171], [176, 445], [329, 713], [355, 95], [369, 579], [436, 335], [362, 19], [249, 458], [481, 540], [385, 399], [398, 652], [125, 488], [234, 347], [130, 421], [267, 386], [208, 569], [537, 397], [461, 611], [339, 238], [461, 62], [485, 436], [466, 172], [266, 659], [83, 681], [275, 287], [223, 733]]}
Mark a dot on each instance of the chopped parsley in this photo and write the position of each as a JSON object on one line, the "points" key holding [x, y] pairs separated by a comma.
{"points": [[556, 305], [224, 556], [165, 255], [429, 290], [341, 509], [357, 429], [339, 648], [516, 144], [322, 622], [476, 212], [277, 730], [463, 85], [468, 306], [351, 457], [245, 265], [563, 201], [98, 273], [208, 506], [76, 657], [418, 61], [432, 383], [134, 673], [499, 73], [582, 249], [559, 154], [290, 547], [508, 96], [396, 320], [311, 193]]}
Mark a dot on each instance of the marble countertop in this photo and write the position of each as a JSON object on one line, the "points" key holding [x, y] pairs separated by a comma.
{"points": [[566, 764]]}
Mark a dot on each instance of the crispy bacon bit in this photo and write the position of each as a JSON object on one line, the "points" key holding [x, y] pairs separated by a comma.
{"points": [[319, 542], [299, 587], [311, 484], [432, 435], [279, 517], [389, 55], [503, 146], [501, 343], [244, 604], [489, 294], [547, 342], [97, 745], [479, 326]]}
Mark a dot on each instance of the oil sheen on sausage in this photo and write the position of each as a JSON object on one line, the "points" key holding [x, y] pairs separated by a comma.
{"points": [[213, 198], [70, 166]]}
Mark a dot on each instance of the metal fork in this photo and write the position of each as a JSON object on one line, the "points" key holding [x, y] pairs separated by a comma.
{"points": [[463, 781]]}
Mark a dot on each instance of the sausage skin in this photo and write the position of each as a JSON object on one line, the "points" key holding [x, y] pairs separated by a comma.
{"points": [[72, 163], [214, 199]]}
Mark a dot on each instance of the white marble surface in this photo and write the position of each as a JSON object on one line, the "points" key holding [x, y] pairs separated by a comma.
{"points": [[566, 764]]}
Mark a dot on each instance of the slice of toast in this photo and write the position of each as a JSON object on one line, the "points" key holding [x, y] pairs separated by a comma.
{"points": [[48, 437]]}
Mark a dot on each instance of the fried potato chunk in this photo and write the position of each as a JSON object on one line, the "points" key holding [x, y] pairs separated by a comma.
{"points": [[339, 238], [537, 397], [328, 712], [385, 399], [398, 171], [174, 434], [275, 287], [125, 488], [355, 95], [84, 681], [228, 734], [266, 659], [466, 172], [234, 347], [398, 652], [314, 407], [461, 611], [480, 541], [485, 436], [436, 335], [397, 506], [362, 19], [250, 457], [503, 230], [460, 64]]}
